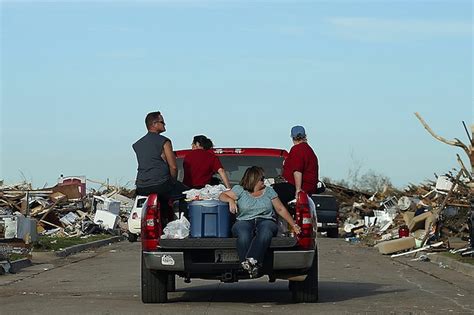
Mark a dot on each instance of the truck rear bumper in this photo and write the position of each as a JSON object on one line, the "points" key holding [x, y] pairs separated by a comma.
{"points": [[285, 260], [282, 260]]}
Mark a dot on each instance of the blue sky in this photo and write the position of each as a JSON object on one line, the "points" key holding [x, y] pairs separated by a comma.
{"points": [[78, 78]]}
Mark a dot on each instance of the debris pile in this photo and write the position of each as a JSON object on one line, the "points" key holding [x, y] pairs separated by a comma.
{"points": [[419, 216], [63, 210]]}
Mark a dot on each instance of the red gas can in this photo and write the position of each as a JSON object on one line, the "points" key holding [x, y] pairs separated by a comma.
{"points": [[403, 231]]}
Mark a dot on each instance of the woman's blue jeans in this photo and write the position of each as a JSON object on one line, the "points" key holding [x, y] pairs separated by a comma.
{"points": [[254, 237]]}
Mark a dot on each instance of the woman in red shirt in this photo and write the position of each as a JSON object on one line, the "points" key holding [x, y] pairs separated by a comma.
{"points": [[201, 163]]}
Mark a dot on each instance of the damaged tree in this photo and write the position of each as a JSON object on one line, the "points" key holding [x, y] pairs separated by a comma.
{"points": [[456, 142]]}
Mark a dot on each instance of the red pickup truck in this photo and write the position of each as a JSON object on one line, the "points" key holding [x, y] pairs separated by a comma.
{"points": [[294, 258]]}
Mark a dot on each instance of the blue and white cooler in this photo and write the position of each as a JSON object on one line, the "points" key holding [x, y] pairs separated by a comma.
{"points": [[209, 218]]}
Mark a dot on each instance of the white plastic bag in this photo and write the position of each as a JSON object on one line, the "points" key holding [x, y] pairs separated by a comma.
{"points": [[177, 229], [209, 192]]}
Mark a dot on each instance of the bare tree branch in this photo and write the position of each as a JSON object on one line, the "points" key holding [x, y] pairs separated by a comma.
{"points": [[466, 172], [456, 142]]}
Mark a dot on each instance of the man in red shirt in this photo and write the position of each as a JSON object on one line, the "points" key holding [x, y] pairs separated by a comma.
{"points": [[201, 163], [300, 169]]}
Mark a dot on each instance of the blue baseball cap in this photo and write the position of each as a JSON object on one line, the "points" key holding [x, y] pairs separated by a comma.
{"points": [[298, 131]]}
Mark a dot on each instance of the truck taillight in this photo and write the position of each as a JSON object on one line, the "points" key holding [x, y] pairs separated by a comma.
{"points": [[306, 225], [151, 223], [306, 239]]}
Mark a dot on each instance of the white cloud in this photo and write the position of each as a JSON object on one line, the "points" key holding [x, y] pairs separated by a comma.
{"points": [[376, 29]]}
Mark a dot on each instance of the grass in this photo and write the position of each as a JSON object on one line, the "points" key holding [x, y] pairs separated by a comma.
{"points": [[458, 257], [51, 243], [14, 256]]}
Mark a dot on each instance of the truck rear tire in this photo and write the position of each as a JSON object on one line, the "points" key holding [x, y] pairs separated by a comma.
{"points": [[306, 291], [333, 233], [154, 285], [171, 285]]}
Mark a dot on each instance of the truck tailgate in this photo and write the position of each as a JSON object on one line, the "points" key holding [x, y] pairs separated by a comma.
{"points": [[216, 243]]}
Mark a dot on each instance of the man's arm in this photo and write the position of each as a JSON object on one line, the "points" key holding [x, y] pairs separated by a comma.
{"points": [[298, 181], [170, 159]]}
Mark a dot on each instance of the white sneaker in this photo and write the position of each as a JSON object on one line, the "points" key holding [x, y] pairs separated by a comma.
{"points": [[246, 265], [250, 265]]}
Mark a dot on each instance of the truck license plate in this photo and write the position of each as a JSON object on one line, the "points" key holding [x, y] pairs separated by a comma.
{"points": [[226, 256]]}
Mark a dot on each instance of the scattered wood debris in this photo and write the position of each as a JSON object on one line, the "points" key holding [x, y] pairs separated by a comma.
{"points": [[65, 210], [419, 217]]}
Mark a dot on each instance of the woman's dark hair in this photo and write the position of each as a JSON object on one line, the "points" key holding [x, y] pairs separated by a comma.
{"points": [[203, 141], [251, 177]]}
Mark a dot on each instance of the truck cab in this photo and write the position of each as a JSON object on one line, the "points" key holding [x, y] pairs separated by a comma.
{"points": [[290, 257]]}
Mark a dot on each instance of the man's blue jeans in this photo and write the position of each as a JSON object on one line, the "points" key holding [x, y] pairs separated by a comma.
{"points": [[254, 237]]}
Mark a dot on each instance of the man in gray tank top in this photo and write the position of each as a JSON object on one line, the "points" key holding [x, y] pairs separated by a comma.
{"points": [[157, 170]]}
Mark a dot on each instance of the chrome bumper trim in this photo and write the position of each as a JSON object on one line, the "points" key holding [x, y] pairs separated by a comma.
{"points": [[168, 261]]}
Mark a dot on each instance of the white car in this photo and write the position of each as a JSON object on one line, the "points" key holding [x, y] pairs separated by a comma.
{"points": [[134, 220]]}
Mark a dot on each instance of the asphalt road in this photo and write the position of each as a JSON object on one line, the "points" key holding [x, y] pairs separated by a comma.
{"points": [[353, 280]]}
